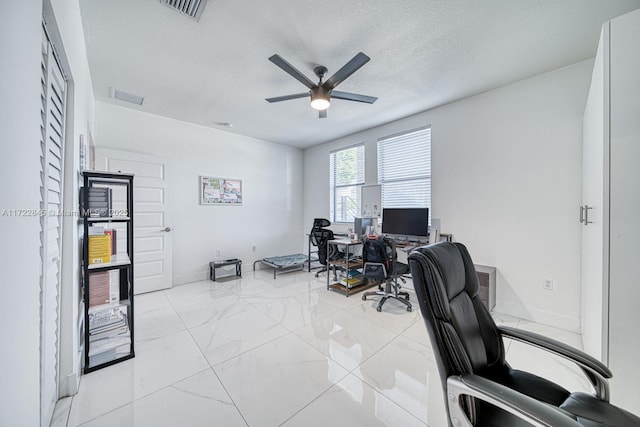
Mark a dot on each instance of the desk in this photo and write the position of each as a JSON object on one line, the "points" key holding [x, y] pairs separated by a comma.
{"points": [[402, 255], [350, 267], [310, 251]]}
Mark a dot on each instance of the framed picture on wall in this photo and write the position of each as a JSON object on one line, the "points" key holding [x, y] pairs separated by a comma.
{"points": [[220, 191]]}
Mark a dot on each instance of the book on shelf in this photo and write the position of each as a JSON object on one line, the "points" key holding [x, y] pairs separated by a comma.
{"points": [[99, 248], [352, 281], [106, 316], [113, 237], [104, 288], [95, 230], [354, 273], [108, 328], [99, 288], [99, 202]]}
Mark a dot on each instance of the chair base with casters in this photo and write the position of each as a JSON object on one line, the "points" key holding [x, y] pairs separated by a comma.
{"points": [[391, 290]]}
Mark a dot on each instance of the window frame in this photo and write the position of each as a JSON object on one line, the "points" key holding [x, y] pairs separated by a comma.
{"points": [[409, 177], [356, 185]]}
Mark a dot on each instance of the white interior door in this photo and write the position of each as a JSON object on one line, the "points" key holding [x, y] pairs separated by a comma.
{"points": [[595, 183], [152, 247]]}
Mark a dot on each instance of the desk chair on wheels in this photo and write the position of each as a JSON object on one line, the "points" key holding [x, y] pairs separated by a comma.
{"points": [[480, 388], [380, 263], [319, 236]]}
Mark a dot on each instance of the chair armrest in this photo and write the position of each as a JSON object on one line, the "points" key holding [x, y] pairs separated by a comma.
{"points": [[595, 370], [534, 412]]}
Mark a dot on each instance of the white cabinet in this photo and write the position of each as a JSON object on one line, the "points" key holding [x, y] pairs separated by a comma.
{"points": [[611, 188]]}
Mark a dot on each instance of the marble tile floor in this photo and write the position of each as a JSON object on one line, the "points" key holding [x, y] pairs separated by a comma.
{"points": [[254, 351]]}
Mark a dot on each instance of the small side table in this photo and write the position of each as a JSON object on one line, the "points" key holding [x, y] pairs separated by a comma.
{"points": [[216, 264]]}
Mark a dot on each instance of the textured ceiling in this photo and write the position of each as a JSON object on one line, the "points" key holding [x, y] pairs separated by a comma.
{"points": [[423, 54]]}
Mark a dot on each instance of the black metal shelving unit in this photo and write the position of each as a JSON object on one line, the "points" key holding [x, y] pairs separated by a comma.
{"points": [[107, 287]]}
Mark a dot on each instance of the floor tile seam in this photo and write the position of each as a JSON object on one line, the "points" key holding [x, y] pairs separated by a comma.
{"points": [[213, 366], [218, 377], [66, 424], [140, 313], [352, 371], [377, 324], [304, 324], [207, 321], [214, 321], [382, 392], [413, 339], [201, 303], [175, 310], [140, 398], [165, 307], [315, 398], [508, 346], [349, 370], [371, 323], [224, 387], [138, 341]]}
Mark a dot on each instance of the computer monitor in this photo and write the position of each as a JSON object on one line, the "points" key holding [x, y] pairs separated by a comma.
{"points": [[360, 225], [405, 221]]}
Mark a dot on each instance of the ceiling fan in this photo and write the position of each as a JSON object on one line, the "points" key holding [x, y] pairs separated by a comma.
{"points": [[322, 92]]}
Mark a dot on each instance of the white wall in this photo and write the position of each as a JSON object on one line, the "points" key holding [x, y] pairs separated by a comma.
{"points": [[20, 41], [624, 289], [506, 182], [271, 174], [21, 38]]}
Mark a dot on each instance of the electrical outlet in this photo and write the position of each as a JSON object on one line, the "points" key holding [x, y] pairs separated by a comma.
{"points": [[547, 284]]}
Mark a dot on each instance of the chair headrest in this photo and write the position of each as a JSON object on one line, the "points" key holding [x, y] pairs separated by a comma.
{"points": [[454, 272], [321, 222]]}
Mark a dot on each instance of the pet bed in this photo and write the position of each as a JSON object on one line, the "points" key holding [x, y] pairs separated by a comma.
{"points": [[284, 263]]}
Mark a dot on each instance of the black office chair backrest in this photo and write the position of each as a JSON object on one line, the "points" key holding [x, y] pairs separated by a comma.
{"points": [[381, 249], [319, 237], [376, 249], [464, 335]]}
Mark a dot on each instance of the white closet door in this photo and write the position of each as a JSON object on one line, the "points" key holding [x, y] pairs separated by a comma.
{"points": [[52, 137]]}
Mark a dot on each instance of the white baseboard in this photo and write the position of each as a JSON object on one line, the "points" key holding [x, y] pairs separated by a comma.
{"points": [[560, 321], [191, 277], [70, 384]]}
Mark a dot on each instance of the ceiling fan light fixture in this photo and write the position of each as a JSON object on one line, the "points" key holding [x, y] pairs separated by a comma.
{"points": [[320, 98]]}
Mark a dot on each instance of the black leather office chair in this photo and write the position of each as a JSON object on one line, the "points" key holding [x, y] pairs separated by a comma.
{"points": [[380, 263], [319, 237], [480, 387]]}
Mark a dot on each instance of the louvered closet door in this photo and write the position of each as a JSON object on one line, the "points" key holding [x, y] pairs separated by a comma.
{"points": [[51, 143]]}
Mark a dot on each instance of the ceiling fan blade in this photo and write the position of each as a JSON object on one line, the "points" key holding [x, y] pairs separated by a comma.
{"points": [[291, 70], [353, 97], [349, 68], [322, 114], [288, 97]]}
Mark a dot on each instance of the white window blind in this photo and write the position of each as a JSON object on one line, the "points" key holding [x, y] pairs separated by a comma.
{"points": [[404, 169], [346, 178]]}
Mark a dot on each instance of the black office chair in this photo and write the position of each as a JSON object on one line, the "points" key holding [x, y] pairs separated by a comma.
{"points": [[480, 387], [380, 263], [319, 237]]}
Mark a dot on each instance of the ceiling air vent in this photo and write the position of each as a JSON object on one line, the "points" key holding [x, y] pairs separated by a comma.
{"points": [[192, 8], [125, 96]]}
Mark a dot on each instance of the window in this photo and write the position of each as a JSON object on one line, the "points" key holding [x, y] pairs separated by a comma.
{"points": [[346, 177], [404, 169]]}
